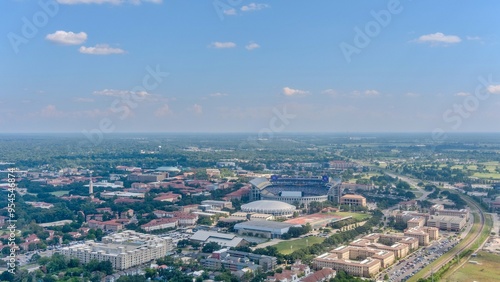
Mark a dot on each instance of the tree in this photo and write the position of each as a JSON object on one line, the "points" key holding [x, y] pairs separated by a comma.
{"points": [[6, 276], [211, 247], [205, 220], [150, 272], [57, 263]]}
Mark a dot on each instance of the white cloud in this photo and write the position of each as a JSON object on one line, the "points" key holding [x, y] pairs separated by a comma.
{"points": [[372, 93], [462, 94], [121, 93], [67, 37], [112, 2], [222, 45], [330, 92], [163, 111], [439, 38], [412, 94], [230, 12], [217, 94], [253, 7], [50, 111], [287, 91], [252, 45], [100, 49], [84, 100], [473, 38], [74, 2], [494, 89], [197, 109]]}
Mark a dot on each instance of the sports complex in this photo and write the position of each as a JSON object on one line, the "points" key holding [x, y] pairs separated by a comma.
{"points": [[293, 190]]}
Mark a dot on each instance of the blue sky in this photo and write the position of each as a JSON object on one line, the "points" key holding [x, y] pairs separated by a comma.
{"points": [[245, 66]]}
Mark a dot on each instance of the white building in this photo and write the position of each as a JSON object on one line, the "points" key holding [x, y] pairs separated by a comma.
{"points": [[123, 250]]}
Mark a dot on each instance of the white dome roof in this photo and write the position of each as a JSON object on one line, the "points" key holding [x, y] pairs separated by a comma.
{"points": [[265, 205]]}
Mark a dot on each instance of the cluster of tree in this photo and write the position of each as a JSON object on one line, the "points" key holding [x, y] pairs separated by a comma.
{"points": [[382, 180], [434, 194], [26, 213], [429, 187], [211, 247], [59, 268], [341, 223], [456, 199], [186, 242], [315, 207], [382, 202], [435, 172], [342, 276], [295, 232], [228, 225]]}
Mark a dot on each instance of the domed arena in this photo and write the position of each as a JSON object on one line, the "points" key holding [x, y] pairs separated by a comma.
{"points": [[276, 208]]}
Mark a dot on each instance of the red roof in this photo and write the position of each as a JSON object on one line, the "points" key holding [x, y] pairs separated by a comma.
{"points": [[319, 275], [160, 221]]}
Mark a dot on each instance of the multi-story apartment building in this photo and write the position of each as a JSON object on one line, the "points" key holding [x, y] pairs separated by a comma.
{"points": [[440, 210], [235, 260], [351, 199], [366, 268], [450, 223], [392, 239], [123, 250]]}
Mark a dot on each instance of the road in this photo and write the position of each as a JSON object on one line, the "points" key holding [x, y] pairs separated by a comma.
{"points": [[413, 182]]}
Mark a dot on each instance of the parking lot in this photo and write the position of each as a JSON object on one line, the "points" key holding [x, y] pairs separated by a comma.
{"points": [[410, 265]]}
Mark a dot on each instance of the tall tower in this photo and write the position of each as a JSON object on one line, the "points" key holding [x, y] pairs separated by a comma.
{"points": [[91, 187]]}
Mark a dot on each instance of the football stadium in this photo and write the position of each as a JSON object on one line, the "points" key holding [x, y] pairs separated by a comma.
{"points": [[293, 190]]}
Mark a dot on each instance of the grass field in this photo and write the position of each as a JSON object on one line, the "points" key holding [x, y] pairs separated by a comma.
{"points": [[490, 175], [490, 168], [487, 269], [59, 193], [288, 247], [488, 224], [359, 216]]}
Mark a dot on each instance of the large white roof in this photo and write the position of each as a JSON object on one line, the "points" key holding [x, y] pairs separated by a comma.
{"points": [[267, 205]]}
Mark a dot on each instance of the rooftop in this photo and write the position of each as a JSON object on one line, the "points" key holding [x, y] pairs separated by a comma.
{"points": [[352, 196], [267, 205]]}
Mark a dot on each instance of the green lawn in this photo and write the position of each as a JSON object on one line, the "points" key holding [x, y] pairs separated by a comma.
{"points": [[417, 193], [290, 246], [487, 269], [355, 215], [59, 193], [494, 175]]}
